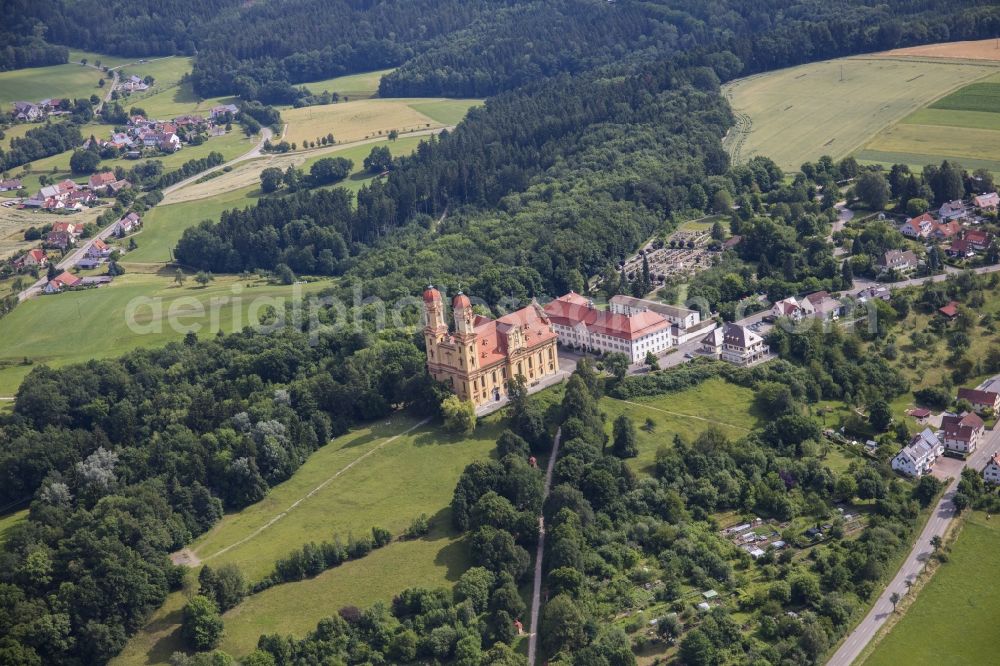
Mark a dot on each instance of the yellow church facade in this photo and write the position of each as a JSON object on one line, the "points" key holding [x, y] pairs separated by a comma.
{"points": [[481, 355]]}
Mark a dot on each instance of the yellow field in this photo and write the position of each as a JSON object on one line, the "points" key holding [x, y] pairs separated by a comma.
{"points": [[954, 142], [983, 49], [362, 119], [835, 107]]}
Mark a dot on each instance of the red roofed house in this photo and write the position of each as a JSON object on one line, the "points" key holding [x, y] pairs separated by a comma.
{"points": [[579, 324], [946, 230], [99, 181], [918, 227], [60, 282], [980, 400], [31, 259], [60, 240], [962, 434], [960, 248], [482, 354], [988, 202], [99, 249], [978, 240], [950, 310]]}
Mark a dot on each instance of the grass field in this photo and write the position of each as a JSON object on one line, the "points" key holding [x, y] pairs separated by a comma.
{"points": [[963, 125], [686, 413], [362, 119], [97, 319], [76, 55], [165, 71], [953, 619], [38, 83], [353, 86], [801, 113], [177, 101], [403, 469], [8, 521]]}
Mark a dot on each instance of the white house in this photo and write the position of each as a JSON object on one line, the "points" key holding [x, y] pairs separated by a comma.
{"points": [[917, 457], [962, 434], [952, 210], [735, 344], [980, 400], [579, 324], [685, 323], [793, 308], [918, 227], [991, 473]]}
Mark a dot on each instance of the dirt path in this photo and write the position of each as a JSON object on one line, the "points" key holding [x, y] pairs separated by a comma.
{"points": [[536, 590], [196, 561]]}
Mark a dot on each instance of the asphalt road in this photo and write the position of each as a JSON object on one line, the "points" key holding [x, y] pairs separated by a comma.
{"points": [[922, 550]]}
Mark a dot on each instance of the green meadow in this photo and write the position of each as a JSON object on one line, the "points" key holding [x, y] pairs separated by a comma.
{"points": [[353, 86], [953, 619], [133, 312], [445, 111], [10, 520], [58, 81]]}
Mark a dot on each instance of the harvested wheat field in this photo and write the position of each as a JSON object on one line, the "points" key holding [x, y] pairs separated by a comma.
{"points": [[983, 49]]}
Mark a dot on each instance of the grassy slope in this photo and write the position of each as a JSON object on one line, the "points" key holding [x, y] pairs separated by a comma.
{"points": [[178, 100], [96, 319], [953, 619], [38, 83], [803, 112], [713, 402], [354, 86], [8, 521]]}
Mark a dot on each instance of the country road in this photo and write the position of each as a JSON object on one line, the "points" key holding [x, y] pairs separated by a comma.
{"points": [[536, 588], [921, 552], [253, 153]]}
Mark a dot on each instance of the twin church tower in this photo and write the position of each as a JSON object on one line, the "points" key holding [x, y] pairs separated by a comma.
{"points": [[481, 355]]}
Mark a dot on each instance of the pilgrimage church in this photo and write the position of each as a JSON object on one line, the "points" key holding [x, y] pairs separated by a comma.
{"points": [[479, 357]]}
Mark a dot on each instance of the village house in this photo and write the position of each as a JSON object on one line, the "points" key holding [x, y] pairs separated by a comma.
{"points": [[101, 180], [991, 473], [87, 263], [945, 230], [579, 324], [60, 240], [824, 306], [917, 457], [902, 261], [482, 355], [875, 292], [27, 111], [978, 240], [962, 434], [223, 109], [10, 185], [62, 281], [987, 203], [960, 249], [918, 227], [72, 228], [735, 344], [32, 259], [127, 224], [792, 308], [99, 249], [952, 210], [980, 400]]}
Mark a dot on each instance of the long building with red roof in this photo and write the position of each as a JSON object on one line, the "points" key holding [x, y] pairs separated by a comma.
{"points": [[581, 325], [480, 356]]}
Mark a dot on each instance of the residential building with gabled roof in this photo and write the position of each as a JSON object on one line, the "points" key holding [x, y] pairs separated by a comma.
{"points": [[988, 202], [735, 344], [962, 434], [991, 473], [920, 226], [917, 457], [980, 400], [64, 280]]}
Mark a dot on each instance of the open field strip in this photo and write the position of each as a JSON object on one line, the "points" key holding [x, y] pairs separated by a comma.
{"points": [[352, 86], [950, 118], [836, 106], [368, 118], [982, 49], [953, 619], [97, 319], [76, 55], [390, 472], [176, 101], [949, 142]]}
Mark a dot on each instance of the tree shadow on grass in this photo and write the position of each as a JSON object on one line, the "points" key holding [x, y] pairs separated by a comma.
{"points": [[455, 557], [167, 644]]}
